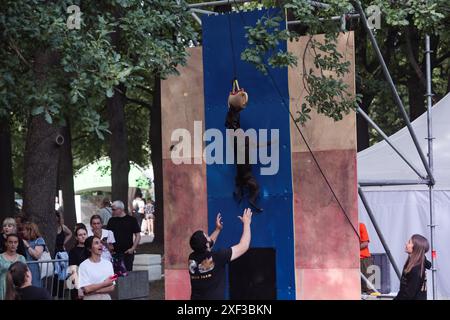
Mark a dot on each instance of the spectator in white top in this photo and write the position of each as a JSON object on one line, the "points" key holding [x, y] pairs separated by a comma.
{"points": [[96, 275], [138, 207], [106, 236]]}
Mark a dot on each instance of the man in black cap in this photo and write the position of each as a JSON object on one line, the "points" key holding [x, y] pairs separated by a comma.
{"points": [[206, 267]]}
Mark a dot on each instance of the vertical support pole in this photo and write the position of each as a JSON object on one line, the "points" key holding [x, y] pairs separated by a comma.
{"points": [[430, 162]]}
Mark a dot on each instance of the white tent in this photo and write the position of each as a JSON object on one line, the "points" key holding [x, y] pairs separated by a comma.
{"points": [[402, 211]]}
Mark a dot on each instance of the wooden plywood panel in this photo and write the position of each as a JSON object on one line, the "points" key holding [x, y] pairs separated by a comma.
{"points": [[182, 99], [177, 285], [185, 209], [321, 132], [324, 238], [328, 284]]}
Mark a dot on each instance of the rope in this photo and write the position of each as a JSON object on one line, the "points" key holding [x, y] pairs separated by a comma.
{"points": [[232, 46]]}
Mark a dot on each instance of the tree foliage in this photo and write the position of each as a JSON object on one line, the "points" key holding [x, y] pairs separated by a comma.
{"points": [[153, 35], [401, 21]]}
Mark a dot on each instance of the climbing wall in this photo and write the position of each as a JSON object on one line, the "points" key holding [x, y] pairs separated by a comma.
{"points": [[316, 251], [274, 227]]}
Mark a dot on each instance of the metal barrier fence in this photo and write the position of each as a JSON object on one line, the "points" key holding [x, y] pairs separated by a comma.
{"points": [[57, 288]]}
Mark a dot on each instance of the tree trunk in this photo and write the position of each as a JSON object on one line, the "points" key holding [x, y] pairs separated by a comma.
{"points": [[415, 96], [41, 160], [65, 172], [362, 127], [448, 80], [415, 85], [118, 147], [40, 179], [6, 172], [156, 158]]}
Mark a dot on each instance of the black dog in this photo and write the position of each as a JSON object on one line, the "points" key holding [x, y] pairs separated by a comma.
{"points": [[244, 177]]}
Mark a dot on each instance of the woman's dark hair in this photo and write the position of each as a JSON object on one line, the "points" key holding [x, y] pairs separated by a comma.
{"points": [[12, 235], [138, 193], [96, 216], [88, 245], [417, 257], [22, 217], [78, 227], [15, 278]]}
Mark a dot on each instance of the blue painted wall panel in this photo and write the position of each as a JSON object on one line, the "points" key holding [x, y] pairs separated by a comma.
{"points": [[274, 227]]}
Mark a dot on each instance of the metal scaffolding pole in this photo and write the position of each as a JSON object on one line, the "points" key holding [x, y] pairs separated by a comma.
{"points": [[231, 2], [368, 282], [430, 161], [199, 21], [335, 18], [385, 137], [215, 3], [377, 229], [381, 183], [397, 99]]}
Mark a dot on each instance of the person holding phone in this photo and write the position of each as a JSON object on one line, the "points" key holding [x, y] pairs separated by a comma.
{"points": [[96, 275], [106, 236]]}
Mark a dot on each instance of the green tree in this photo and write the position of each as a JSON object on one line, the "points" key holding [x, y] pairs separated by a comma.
{"points": [[401, 39], [52, 72]]}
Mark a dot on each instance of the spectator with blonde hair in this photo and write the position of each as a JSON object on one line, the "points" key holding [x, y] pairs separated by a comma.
{"points": [[34, 247], [10, 227]]}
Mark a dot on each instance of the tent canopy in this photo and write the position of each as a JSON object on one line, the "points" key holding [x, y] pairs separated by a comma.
{"points": [[381, 162], [96, 176]]}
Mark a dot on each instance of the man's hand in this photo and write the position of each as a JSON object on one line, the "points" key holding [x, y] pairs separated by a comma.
{"points": [[247, 216], [130, 251], [219, 224]]}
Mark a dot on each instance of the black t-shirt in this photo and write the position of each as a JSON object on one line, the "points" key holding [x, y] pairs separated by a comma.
{"points": [[34, 293], [77, 255], [20, 248], [208, 276], [59, 243], [123, 229]]}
